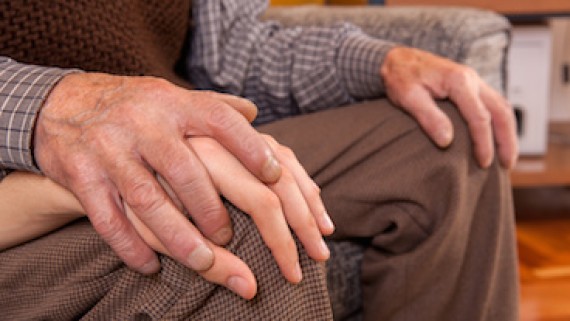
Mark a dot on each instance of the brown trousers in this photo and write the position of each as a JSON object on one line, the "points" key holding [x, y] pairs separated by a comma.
{"points": [[435, 234]]}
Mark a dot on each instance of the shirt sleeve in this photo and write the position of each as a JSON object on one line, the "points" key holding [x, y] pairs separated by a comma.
{"points": [[23, 89], [285, 71]]}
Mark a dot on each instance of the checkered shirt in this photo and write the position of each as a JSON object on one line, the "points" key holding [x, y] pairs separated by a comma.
{"points": [[285, 71]]}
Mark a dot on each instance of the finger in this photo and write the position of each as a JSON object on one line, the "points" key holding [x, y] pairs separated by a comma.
{"points": [[504, 126], [110, 222], [465, 94], [151, 205], [299, 216], [223, 123], [238, 278], [254, 198], [419, 103], [188, 178], [309, 189], [227, 270], [244, 106]]}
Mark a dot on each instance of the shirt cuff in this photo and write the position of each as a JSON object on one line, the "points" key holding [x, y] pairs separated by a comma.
{"points": [[23, 89], [359, 59]]}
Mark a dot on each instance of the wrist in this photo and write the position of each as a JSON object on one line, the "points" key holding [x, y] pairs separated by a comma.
{"points": [[23, 95], [394, 57], [53, 95]]}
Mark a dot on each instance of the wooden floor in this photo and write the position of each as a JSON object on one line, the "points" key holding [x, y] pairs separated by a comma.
{"points": [[543, 232], [545, 300]]}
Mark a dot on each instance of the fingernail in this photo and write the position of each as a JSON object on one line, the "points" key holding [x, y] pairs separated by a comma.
{"points": [[297, 273], [327, 222], [223, 236], [238, 285], [444, 137], [271, 170], [325, 250], [201, 258], [486, 162]]}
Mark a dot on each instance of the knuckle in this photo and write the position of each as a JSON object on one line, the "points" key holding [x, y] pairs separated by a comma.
{"points": [[209, 93], [462, 75], [112, 229], [270, 139], [286, 152], [504, 119], [143, 196], [83, 177], [408, 96], [78, 164], [178, 166], [157, 84], [482, 118], [85, 187], [175, 170], [210, 211], [271, 201], [219, 117]]}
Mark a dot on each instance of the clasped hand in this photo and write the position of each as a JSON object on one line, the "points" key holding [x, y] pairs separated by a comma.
{"points": [[106, 139]]}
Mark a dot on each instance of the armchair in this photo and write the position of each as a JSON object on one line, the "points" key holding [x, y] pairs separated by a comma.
{"points": [[479, 39], [474, 37]]}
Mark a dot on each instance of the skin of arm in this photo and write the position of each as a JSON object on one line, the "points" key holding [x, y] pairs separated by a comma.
{"points": [[33, 205]]}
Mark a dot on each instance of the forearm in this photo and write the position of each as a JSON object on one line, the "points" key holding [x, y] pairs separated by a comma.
{"points": [[32, 205], [285, 71]]}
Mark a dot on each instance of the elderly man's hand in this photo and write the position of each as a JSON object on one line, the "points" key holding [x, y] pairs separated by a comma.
{"points": [[105, 137], [413, 78]]}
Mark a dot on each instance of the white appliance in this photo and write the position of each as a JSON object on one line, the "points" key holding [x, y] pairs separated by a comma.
{"points": [[528, 86]]}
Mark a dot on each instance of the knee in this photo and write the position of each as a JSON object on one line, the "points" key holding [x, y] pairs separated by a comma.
{"points": [[455, 183], [461, 151]]}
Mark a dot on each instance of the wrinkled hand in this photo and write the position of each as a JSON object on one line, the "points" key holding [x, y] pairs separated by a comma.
{"points": [[104, 137], [413, 78], [293, 201]]}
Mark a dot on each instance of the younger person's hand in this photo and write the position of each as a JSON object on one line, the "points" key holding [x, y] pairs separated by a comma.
{"points": [[293, 201]]}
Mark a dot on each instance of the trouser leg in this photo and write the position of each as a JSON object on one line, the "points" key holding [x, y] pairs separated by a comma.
{"points": [[72, 274], [438, 231]]}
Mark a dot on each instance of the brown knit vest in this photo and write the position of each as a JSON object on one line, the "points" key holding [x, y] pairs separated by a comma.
{"points": [[127, 37]]}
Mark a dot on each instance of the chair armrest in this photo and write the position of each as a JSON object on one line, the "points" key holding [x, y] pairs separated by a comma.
{"points": [[474, 37]]}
